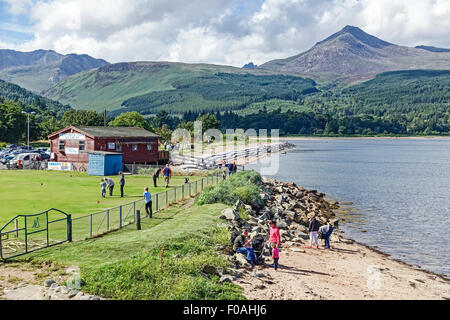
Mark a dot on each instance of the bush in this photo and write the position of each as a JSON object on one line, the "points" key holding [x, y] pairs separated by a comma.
{"points": [[245, 186]]}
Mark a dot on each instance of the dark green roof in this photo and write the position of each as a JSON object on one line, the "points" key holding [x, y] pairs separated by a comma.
{"points": [[120, 132]]}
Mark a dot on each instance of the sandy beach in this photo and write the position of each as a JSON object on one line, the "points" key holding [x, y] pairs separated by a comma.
{"points": [[348, 271]]}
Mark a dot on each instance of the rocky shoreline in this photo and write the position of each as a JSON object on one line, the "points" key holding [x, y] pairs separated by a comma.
{"points": [[291, 206]]}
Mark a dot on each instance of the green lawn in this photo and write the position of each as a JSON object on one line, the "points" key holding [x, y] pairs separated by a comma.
{"points": [[126, 264], [31, 191]]}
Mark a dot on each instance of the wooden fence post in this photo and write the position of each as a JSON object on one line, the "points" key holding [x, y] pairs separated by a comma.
{"points": [[138, 219]]}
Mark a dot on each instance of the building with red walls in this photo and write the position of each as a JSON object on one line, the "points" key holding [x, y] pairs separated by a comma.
{"points": [[73, 144]]}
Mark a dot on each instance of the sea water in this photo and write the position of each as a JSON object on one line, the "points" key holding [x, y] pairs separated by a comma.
{"points": [[400, 190]]}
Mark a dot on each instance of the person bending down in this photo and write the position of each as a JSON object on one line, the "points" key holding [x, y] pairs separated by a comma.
{"points": [[242, 245]]}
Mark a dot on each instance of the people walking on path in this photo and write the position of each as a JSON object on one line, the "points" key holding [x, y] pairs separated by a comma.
{"points": [[103, 186], [275, 255], [110, 184], [167, 173], [148, 202], [121, 183], [155, 176], [243, 245], [313, 232], [325, 232], [234, 167]]}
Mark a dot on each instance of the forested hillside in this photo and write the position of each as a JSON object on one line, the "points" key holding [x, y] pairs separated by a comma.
{"points": [[220, 92], [400, 102], [15, 93]]}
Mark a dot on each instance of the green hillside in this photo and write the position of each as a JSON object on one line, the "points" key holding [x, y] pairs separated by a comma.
{"points": [[400, 102], [15, 93], [148, 87]]}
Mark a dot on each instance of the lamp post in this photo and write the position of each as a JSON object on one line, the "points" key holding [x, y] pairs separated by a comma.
{"points": [[28, 135]]}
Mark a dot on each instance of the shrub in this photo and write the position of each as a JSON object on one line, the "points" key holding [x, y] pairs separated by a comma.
{"points": [[246, 186]]}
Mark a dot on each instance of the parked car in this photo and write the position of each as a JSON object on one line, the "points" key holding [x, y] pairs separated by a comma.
{"points": [[25, 159]]}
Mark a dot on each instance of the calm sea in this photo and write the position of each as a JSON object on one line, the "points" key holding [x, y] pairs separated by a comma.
{"points": [[400, 189]]}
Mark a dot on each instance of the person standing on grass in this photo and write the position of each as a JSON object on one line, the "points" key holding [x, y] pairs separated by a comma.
{"points": [[325, 232], [148, 202], [313, 229], [121, 183], [167, 173], [274, 234], [224, 174], [155, 176], [275, 255], [234, 167], [110, 184], [103, 186]]}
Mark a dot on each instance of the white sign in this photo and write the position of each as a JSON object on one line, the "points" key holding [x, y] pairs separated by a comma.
{"points": [[60, 166], [71, 150], [72, 136]]}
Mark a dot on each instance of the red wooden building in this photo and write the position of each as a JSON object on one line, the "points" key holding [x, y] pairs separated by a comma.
{"points": [[73, 144]]}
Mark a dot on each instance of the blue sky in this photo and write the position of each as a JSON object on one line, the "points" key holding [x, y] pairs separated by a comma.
{"points": [[14, 28], [231, 32]]}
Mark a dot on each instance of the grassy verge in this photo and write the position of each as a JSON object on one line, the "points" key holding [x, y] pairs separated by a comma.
{"points": [[127, 264]]}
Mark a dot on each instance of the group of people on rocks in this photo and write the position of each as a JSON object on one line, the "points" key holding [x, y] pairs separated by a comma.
{"points": [[244, 244]]}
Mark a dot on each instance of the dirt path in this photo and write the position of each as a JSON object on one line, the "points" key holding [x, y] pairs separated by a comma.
{"points": [[347, 271]]}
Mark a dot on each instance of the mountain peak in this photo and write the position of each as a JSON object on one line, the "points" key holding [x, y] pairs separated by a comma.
{"points": [[359, 35]]}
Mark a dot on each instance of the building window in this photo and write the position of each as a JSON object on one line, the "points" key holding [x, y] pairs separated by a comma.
{"points": [[111, 145], [149, 147], [81, 145], [61, 145], [118, 147], [134, 147]]}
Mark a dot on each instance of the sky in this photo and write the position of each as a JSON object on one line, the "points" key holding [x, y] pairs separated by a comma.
{"points": [[229, 32]]}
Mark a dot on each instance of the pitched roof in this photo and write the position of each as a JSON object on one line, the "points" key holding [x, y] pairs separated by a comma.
{"points": [[122, 132], [110, 132]]}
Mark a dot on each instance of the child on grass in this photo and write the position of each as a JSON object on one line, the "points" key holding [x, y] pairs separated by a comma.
{"points": [[103, 185], [275, 255]]}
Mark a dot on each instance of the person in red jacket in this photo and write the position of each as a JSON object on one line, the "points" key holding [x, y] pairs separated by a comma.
{"points": [[274, 235]]}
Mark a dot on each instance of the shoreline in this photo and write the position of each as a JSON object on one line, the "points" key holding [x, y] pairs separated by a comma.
{"points": [[304, 138]]}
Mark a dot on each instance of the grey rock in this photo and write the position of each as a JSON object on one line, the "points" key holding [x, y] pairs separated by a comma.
{"points": [[208, 269], [258, 274], [54, 286], [49, 282], [72, 293], [94, 298], [229, 214], [226, 278], [79, 295]]}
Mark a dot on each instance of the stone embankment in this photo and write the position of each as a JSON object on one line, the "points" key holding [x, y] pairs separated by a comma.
{"points": [[291, 206]]}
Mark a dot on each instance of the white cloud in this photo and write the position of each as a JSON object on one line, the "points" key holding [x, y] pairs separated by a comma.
{"points": [[223, 31]]}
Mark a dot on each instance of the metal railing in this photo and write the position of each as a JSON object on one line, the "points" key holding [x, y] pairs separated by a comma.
{"points": [[19, 237]]}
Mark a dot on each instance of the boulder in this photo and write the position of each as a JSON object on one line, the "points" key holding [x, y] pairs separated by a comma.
{"points": [[229, 214], [226, 278], [49, 282], [208, 269]]}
